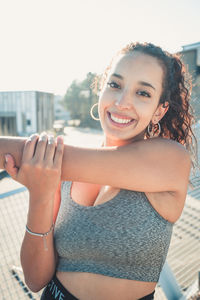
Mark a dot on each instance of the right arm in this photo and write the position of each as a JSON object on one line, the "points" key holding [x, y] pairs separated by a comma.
{"points": [[37, 263]]}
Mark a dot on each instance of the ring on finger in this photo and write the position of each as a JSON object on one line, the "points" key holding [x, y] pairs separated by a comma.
{"points": [[51, 140]]}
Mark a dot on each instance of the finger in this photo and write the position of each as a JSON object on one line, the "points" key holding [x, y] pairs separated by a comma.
{"points": [[41, 147], [59, 152], [10, 166], [50, 149], [29, 148]]}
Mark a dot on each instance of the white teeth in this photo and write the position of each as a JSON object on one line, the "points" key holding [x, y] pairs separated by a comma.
{"points": [[122, 121]]}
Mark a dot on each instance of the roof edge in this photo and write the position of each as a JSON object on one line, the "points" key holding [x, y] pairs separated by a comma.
{"points": [[191, 46]]}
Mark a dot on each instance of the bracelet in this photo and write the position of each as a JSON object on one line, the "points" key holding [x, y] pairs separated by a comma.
{"points": [[43, 235]]}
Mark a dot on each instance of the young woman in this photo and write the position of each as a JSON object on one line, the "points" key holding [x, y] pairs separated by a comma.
{"points": [[118, 202]]}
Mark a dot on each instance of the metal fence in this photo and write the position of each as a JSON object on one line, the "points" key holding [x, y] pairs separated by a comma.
{"points": [[13, 211], [183, 256]]}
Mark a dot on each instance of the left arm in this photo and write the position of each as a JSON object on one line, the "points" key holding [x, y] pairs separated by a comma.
{"points": [[153, 165]]}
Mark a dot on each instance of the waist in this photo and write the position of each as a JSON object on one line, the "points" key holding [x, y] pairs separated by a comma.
{"points": [[98, 287]]}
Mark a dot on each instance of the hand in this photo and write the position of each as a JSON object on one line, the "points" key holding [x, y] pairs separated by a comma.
{"points": [[40, 169]]}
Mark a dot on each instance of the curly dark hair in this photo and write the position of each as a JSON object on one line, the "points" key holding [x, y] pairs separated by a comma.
{"points": [[177, 86]]}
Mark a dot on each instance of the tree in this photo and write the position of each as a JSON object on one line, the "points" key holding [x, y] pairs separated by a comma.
{"points": [[79, 99]]}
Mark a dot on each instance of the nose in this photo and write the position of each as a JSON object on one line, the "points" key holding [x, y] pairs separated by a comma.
{"points": [[124, 100]]}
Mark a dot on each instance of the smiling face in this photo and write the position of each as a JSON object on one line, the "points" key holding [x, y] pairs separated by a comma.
{"points": [[129, 100]]}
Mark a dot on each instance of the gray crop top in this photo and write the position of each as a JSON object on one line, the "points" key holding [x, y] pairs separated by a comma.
{"points": [[124, 237]]}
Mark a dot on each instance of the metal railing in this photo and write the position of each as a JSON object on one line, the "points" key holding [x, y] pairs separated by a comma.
{"points": [[13, 214], [178, 279], [183, 256]]}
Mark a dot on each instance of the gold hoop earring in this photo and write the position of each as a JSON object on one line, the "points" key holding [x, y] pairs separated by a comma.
{"points": [[91, 112], [155, 128]]}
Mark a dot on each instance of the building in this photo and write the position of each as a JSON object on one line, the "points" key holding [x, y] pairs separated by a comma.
{"points": [[191, 57], [25, 112], [60, 112]]}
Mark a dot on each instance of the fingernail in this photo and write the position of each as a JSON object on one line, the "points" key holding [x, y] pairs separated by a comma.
{"points": [[50, 139], [6, 157], [60, 139], [43, 136], [33, 136]]}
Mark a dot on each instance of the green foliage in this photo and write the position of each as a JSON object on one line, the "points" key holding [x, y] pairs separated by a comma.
{"points": [[79, 99]]}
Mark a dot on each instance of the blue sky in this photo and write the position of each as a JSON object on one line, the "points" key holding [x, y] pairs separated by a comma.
{"points": [[45, 44]]}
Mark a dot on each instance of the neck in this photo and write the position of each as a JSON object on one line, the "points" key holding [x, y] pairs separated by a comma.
{"points": [[110, 143]]}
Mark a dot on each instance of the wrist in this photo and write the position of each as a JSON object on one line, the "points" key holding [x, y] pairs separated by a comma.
{"points": [[41, 198], [41, 208], [40, 213], [41, 235]]}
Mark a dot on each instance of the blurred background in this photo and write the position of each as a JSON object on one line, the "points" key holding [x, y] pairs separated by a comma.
{"points": [[52, 50], [50, 53]]}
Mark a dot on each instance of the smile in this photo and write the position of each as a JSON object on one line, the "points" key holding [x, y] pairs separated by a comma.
{"points": [[121, 122]]}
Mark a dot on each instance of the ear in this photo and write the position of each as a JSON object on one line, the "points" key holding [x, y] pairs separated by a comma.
{"points": [[160, 112]]}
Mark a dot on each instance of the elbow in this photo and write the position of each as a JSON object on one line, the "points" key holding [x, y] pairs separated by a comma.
{"points": [[34, 289], [36, 281], [36, 285]]}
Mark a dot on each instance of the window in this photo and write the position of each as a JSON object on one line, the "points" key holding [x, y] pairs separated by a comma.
{"points": [[28, 122]]}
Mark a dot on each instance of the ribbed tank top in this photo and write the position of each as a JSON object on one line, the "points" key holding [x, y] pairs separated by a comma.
{"points": [[124, 237]]}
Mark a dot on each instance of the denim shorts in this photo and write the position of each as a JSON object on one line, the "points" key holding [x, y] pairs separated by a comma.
{"points": [[56, 291]]}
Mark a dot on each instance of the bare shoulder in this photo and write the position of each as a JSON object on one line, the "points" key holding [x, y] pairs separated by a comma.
{"points": [[163, 164], [164, 142], [166, 149]]}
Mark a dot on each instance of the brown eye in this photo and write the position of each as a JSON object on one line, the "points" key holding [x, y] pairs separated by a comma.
{"points": [[143, 93], [113, 85]]}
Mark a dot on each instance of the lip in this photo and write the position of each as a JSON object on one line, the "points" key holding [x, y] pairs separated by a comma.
{"points": [[120, 125]]}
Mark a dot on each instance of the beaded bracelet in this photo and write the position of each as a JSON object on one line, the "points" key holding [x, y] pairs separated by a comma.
{"points": [[43, 235]]}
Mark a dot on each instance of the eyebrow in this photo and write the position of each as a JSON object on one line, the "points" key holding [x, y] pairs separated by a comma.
{"points": [[140, 82], [117, 75], [146, 84]]}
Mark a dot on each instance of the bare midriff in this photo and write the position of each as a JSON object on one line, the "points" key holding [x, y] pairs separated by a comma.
{"points": [[90, 286]]}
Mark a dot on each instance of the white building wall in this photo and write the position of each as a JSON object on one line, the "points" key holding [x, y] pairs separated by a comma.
{"points": [[29, 101], [18, 108], [23, 104], [45, 111]]}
